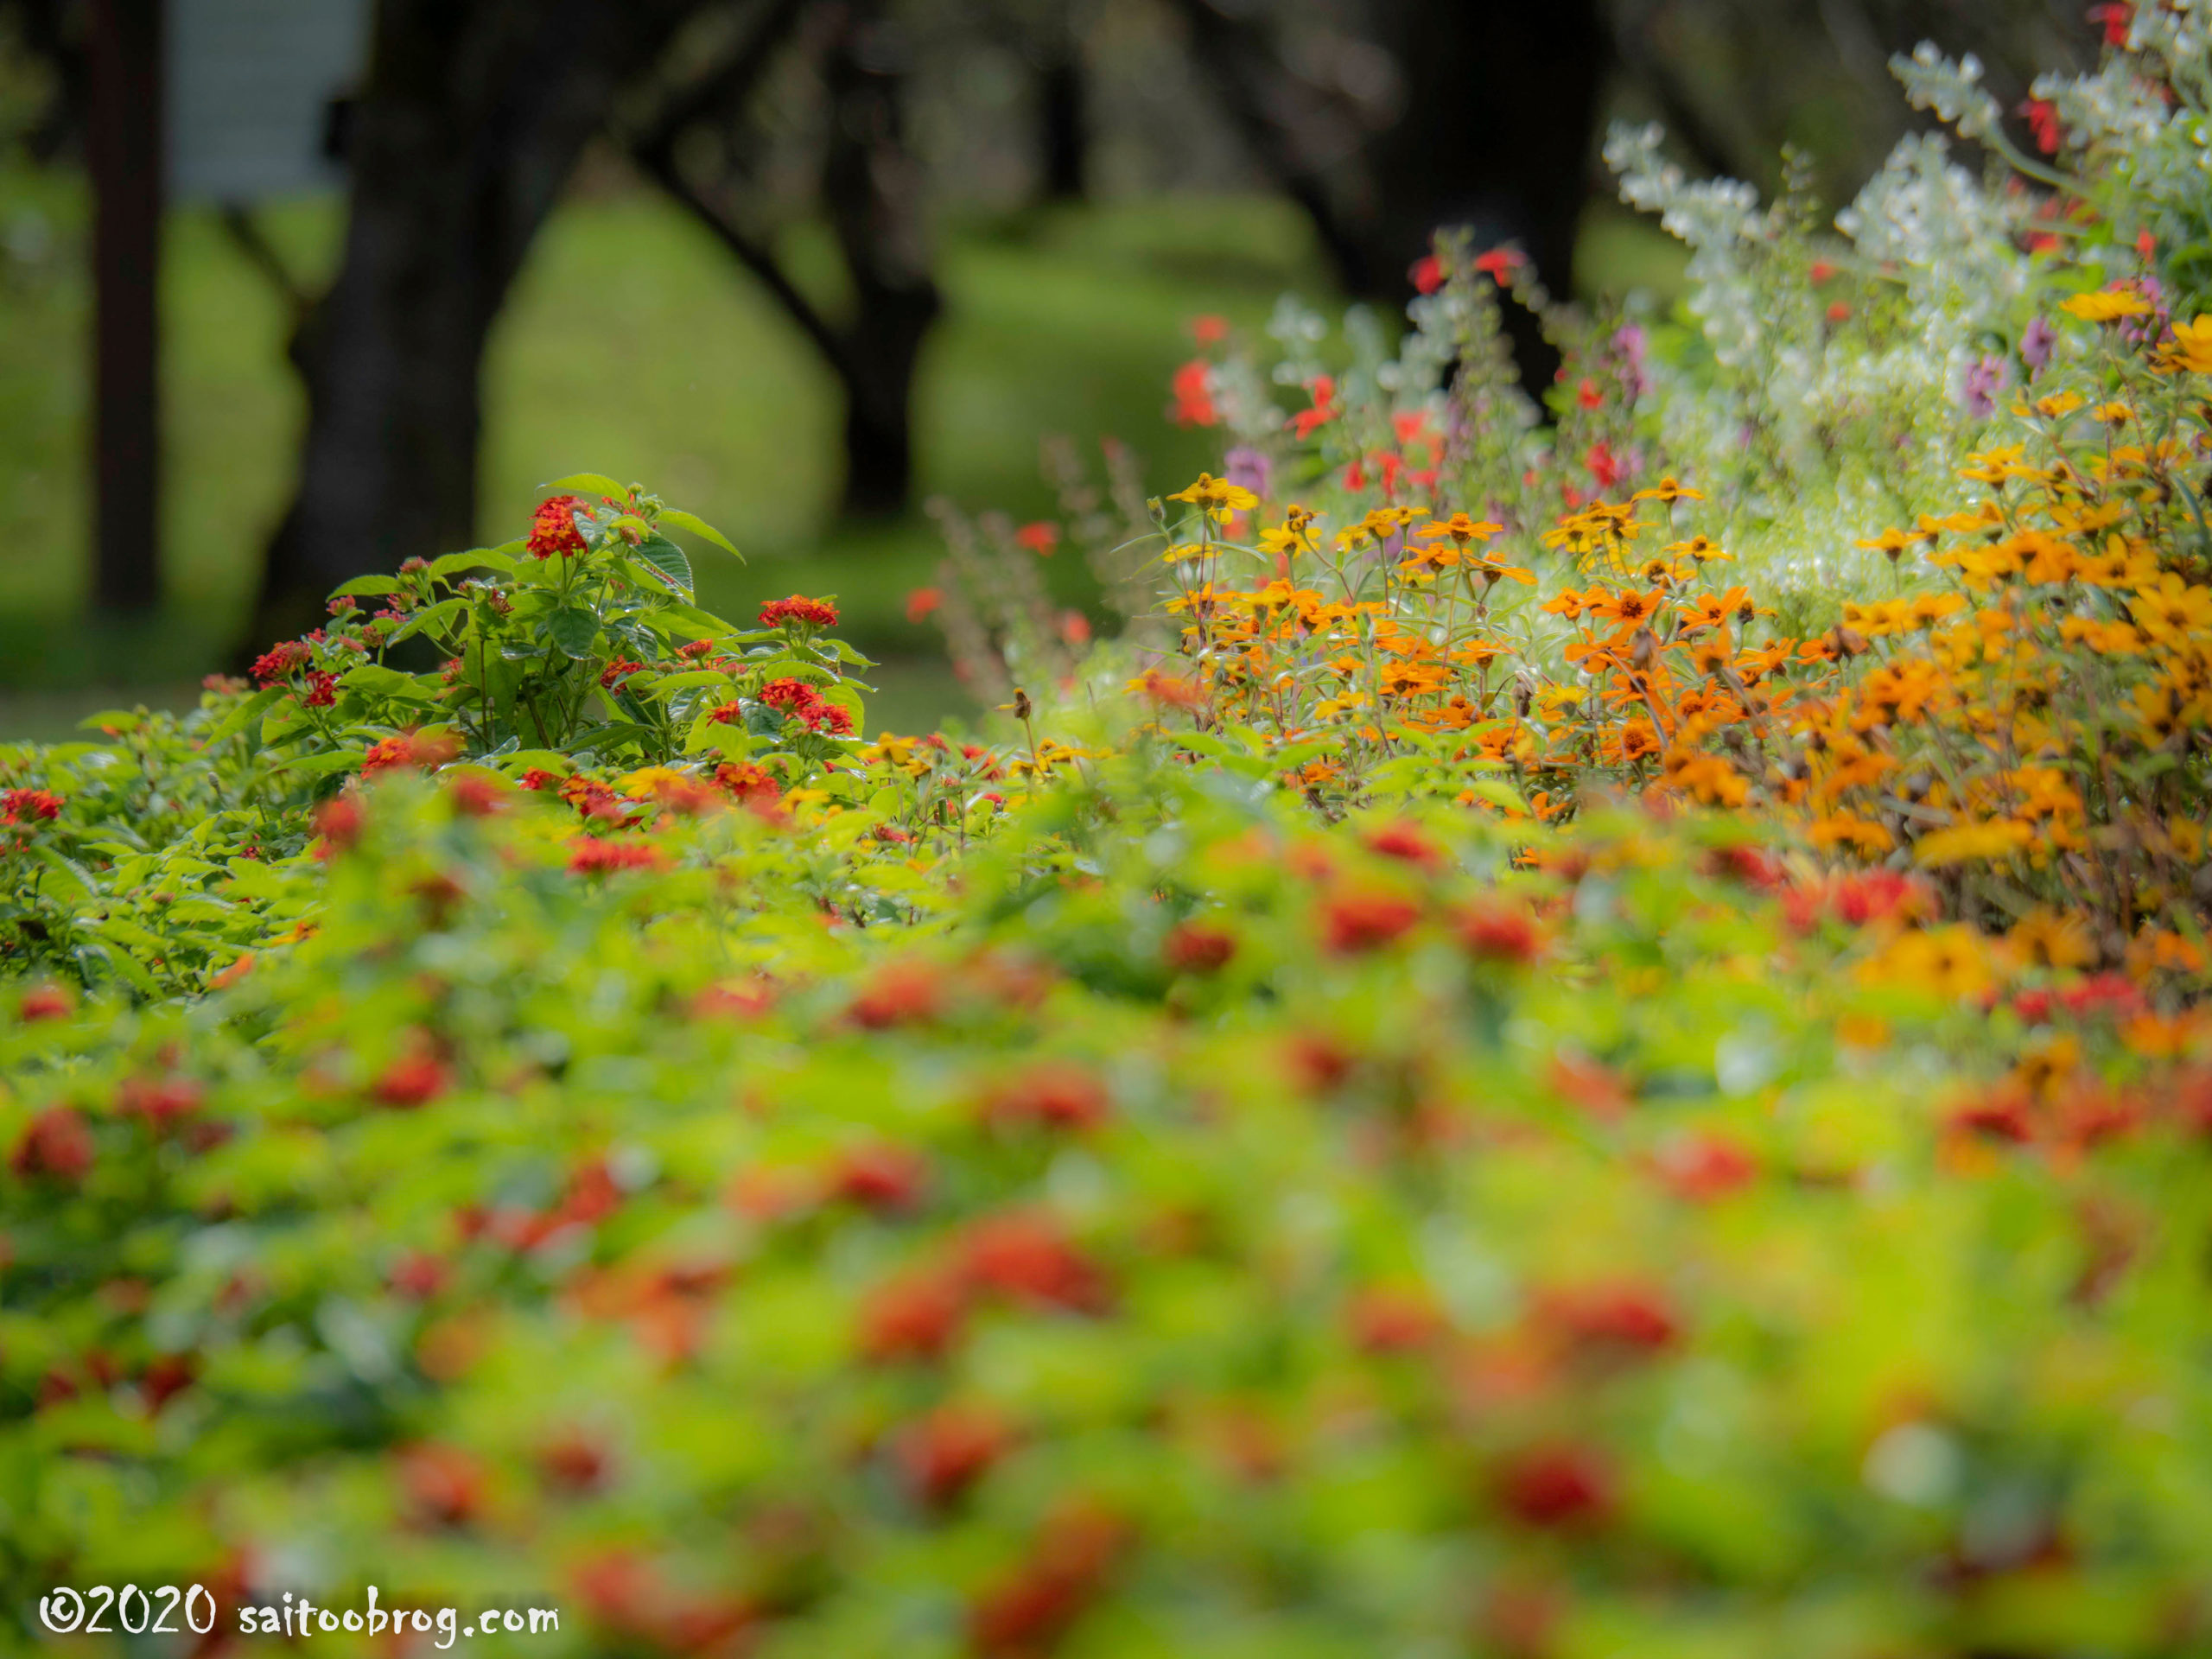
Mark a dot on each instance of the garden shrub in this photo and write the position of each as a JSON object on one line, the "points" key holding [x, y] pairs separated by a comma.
{"points": [[1592, 1041]]}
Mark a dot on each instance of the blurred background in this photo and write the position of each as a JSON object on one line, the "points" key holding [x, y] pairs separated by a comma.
{"points": [[292, 289]]}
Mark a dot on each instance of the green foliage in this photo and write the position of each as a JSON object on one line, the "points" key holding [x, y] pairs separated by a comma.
{"points": [[1317, 1240], [576, 1128]]}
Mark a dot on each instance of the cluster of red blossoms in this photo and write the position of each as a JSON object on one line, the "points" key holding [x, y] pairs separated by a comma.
{"points": [[799, 699], [30, 806], [589, 856], [415, 751], [277, 666], [553, 528], [813, 612]]}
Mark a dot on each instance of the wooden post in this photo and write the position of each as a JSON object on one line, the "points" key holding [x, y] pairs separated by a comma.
{"points": [[124, 142]]}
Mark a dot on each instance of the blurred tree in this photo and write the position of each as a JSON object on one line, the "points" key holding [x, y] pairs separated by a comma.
{"points": [[467, 128], [51, 34], [1383, 119], [871, 189], [1486, 123]]}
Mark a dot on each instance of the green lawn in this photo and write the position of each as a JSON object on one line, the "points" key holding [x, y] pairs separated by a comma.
{"points": [[632, 347]]}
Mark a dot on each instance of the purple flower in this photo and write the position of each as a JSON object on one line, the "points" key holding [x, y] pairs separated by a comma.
{"points": [[1249, 469], [1630, 343], [1984, 380], [2036, 345], [2135, 330]]}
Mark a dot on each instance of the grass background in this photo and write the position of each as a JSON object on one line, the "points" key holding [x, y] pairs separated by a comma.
{"points": [[633, 346]]}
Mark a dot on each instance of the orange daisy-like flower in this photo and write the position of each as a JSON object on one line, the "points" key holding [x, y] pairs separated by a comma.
{"points": [[1668, 491], [1461, 528], [1629, 608]]}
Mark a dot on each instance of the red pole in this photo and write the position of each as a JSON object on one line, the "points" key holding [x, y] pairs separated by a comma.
{"points": [[125, 152]]}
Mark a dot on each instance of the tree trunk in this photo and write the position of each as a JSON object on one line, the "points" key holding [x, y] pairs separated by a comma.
{"points": [[872, 187], [467, 128], [1495, 138], [1499, 104], [1063, 125]]}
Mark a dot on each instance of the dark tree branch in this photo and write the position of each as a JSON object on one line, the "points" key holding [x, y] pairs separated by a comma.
{"points": [[247, 236], [1641, 57], [659, 165], [723, 89], [1233, 55]]}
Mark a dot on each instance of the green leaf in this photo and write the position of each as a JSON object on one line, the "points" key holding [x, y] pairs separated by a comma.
{"points": [[847, 696], [120, 720], [252, 709], [846, 654], [69, 868], [700, 528], [376, 680], [323, 763], [612, 734], [368, 586], [519, 760], [1499, 794], [668, 558], [687, 676], [477, 559], [588, 483], [573, 629], [118, 956], [425, 617]]}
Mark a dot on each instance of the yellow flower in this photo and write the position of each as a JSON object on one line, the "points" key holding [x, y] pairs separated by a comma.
{"points": [[1217, 495], [1890, 542], [2105, 306], [643, 783], [1667, 491], [1870, 839], [1997, 839], [1703, 549], [1951, 962], [2190, 350], [1996, 466], [2048, 939], [2172, 610], [1460, 528]]}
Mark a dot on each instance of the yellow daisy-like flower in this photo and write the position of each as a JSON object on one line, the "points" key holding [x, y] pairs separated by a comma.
{"points": [[2191, 349], [2105, 306], [1217, 495], [1667, 491]]}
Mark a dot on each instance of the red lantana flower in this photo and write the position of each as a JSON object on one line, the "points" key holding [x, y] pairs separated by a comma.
{"points": [[279, 662], [812, 613], [30, 806], [57, 1143], [589, 856], [804, 703], [553, 528], [1353, 922]]}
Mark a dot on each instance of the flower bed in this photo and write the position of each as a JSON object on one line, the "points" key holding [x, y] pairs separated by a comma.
{"points": [[1550, 1055]]}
